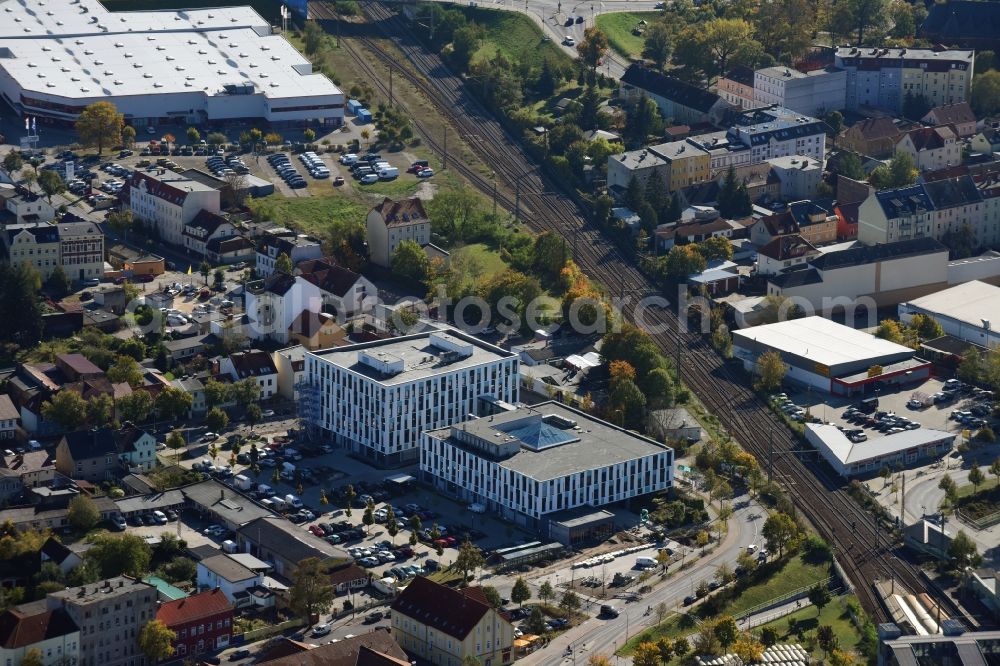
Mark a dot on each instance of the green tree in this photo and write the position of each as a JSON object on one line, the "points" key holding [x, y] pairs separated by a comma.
{"points": [[20, 312], [390, 524], [216, 419], [780, 531], [135, 407], [947, 484], [218, 138], [521, 592], [312, 37], [569, 603], [986, 94], [724, 37], [826, 638], [118, 554], [51, 183], [769, 636], [627, 400], [469, 558], [156, 641], [545, 592], [58, 283], [536, 621], [976, 477], [34, 656], [410, 261], [284, 263], [963, 552], [253, 415], [126, 370], [350, 494], [67, 409], [658, 44], [311, 591], [995, 470], [592, 47], [82, 514], [493, 597], [173, 403], [205, 269], [128, 136], [216, 393], [819, 596], [121, 222], [193, 135], [309, 134], [646, 654], [245, 392], [100, 125], [771, 370], [865, 15], [13, 162], [180, 570], [681, 647], [368, 519], [100, 410]]}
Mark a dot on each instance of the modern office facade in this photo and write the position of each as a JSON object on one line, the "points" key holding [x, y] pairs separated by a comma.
{"points": [[376, 398]]}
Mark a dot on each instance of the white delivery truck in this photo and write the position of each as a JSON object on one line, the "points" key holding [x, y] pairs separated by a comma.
{"points": [[293, 501], [242, 482], [385, 585], [389, 173], [265, 490]]}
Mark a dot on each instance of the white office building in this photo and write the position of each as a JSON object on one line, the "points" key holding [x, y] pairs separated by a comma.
{"points": [[376, 398], [194, 66], [534, 461], [813, 93]]}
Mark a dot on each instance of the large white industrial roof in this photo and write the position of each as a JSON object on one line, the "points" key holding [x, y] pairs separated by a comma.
{"points": [[820, 340], [972, 303], [850, 453], [78, 49]]}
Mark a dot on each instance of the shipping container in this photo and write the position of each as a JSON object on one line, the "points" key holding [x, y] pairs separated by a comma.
{"points": [[364, 116]]}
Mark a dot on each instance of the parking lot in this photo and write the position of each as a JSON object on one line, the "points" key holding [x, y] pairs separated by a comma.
{"points": [[929, 404]]}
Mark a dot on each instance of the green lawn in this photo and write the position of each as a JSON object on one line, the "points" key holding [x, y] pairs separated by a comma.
{"points": [[514, 35], [489, 260], [618, 27], [795, 574], [834, 614], [269, 9], [314, 214]]}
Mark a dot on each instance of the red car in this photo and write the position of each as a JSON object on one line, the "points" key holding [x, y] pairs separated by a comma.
{"points": [[419, 165], [451, 541], [317, 530]]}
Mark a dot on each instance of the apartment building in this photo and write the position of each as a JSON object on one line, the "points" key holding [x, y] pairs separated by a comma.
{"points": [[166, 202], [33, 627], [205, 227], [202, 623], [24, 206], [931, 148], [678, 164], [110, 614], [933, 209], [535, 461], [298, 247], [81, 250], [777, 132], [392, 222], [678, 101], [736, 87], [345, 293], [376, 398], [274, 303], [882, 77], [253, 364], [33, 244], [812, 93], [446, 627]]}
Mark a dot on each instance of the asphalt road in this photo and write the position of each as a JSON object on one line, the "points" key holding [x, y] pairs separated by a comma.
{"points": [[601, 636]]}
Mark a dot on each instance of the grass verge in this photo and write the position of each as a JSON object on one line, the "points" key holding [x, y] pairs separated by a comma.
{"points": [[514, 35], [618, 27], [313, 214], [805, 621]]}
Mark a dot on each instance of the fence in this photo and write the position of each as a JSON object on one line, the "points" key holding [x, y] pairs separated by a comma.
{"points": [[979, 523], [800, 593]]}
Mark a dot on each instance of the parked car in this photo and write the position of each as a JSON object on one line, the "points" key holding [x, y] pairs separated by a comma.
{"points": [[321, 630]]}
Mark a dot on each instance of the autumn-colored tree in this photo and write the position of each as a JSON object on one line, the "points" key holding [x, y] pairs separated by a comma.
{"points": [[100, 125]]}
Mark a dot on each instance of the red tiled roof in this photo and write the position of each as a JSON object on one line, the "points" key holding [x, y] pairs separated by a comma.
{"points": [[952, 114], [346, 574], [19, 629], [195, 607], [875, 128], [787, 247], [158, 188], [930, 138], [449, 611]]}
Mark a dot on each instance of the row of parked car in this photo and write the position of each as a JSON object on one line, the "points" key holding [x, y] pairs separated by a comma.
{"points": [[881, 421], [222, 167], [785, 404], [283, 167], [314, 165]]}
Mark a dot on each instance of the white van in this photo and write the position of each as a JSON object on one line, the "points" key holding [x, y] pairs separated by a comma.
{"points": [[293, 501], [161, 518], [645, 562]]}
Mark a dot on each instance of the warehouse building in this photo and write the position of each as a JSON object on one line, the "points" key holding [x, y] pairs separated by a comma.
{"points": [[829, 356], [194, 66], [532, 464], [893, 451], [376, 398], [967, 311]]}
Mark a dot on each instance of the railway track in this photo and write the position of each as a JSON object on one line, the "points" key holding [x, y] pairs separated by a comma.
{"points": [[864, 553]]}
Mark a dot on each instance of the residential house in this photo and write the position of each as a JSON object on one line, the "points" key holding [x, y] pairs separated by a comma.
{"points": [[392, 222], [81, 250], [290, 364], [60, 555], [641, 164], [89, 455], [349, 578], [720, 277], [777, 132], [678, 101], [136, 448], [196, 389], [298, 247], [110, 615], [986, 141], [375, 648], [784, 252], [686, 163], [445, 626], [225, 251], [799, 176], [959, 117], [736, 87], [883, 77], [252, 364], [33, 468], [874, 137], [931, 148], [237, 575], [52, 633], [316, 330], [768, 227], [166, 202], [9, 417], [275, 302], [284, 544], [696, 232], [345, 293], [34, 244], [206, 226], [812, 93], [27, 207], [185, 348], [201, 623], [111, 298], [674, 425]]}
